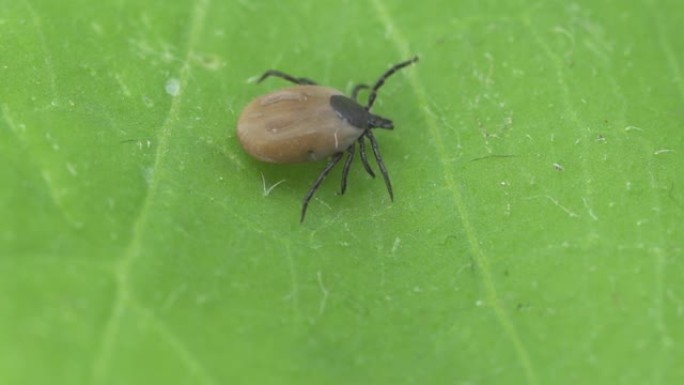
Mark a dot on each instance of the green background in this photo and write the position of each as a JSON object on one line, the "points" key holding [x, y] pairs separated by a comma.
{"points": [[535, 237]]}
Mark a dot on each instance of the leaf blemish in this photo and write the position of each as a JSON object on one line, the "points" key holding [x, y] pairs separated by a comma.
{"points": [[148, 174], [172, 87], [324, 299], [395, 246], [72, 169]]}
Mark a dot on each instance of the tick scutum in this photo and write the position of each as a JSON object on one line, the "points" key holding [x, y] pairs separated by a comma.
{"points": [[350, 111]]}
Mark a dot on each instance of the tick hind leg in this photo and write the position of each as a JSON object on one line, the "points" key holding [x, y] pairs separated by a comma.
{"points": [[289, 78], [321, 177]]}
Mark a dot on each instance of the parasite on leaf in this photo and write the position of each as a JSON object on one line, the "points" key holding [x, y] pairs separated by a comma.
{"points": [[308, 123]]}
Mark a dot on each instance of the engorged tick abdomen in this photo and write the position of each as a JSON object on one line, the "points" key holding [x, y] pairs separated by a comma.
{"points": [[294, 125]]}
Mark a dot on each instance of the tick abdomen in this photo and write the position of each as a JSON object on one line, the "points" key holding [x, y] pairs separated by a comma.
{"points": [[295, 125]]}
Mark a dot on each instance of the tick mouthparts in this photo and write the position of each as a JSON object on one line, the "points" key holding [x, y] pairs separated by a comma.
{"points": [[380, 122]]}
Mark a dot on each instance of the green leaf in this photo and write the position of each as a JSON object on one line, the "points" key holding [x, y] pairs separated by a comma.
{"points": [[535, 236]]}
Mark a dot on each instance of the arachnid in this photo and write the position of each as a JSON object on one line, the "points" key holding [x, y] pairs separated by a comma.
{"points": [[308, 122]]}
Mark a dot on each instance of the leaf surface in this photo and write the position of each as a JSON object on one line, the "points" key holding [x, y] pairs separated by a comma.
{"points": [[535, 236]]}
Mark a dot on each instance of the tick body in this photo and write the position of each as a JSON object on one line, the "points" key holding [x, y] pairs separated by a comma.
{"points": [[296, 125], [308, 123]]}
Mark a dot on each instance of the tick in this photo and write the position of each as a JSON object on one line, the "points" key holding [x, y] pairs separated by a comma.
{"points": [[309, 122]]}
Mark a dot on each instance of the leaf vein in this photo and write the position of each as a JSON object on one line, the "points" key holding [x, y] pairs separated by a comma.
{"points": [[471, 233], [123, 293]]}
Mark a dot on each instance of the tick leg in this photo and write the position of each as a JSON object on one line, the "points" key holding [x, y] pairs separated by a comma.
{"points": [[381, 165], [357, 89], [364, 158], [321, 177], [381, 81], [286, 77], [345, 170]]}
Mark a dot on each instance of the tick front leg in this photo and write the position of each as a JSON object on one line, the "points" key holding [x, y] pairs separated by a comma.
{"points": [[321, 177], [381, 81], [290, 78]]}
